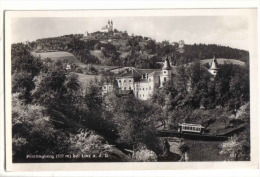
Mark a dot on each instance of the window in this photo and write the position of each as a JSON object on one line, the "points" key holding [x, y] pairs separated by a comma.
{"points": [[130, 88], [164, 71], [124, 80], [150, 80], [130, 80], [140, 88], [143, 88], [120, 81], [143, 95], [105, 87], [150, 88], [146, 88], [140, 95], [124, 88], [165, 78]]}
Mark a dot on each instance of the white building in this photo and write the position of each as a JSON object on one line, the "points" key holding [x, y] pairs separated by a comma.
{"points": [[143, 82], [106, 88]]}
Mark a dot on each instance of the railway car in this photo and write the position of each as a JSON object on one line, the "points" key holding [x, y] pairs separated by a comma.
{"points": [[190, 128]]}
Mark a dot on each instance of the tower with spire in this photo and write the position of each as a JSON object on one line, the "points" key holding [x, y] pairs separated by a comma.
{"points": [[166, 71], [214, 67], [110, 24]]}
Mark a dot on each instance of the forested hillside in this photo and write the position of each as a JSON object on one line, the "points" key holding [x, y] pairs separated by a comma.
{"points": [[135, 51]]}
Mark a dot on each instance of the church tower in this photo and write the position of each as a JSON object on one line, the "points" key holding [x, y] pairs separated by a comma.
{"points": [[214, 67], [166, 71], [111, 26]]}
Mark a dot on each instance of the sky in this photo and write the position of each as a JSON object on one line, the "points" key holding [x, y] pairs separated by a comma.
{"points": [[222, 30]]}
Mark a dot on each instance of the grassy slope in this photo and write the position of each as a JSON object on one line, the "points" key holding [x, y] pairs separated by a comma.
{"points": [[55, 56], [223, 60]]}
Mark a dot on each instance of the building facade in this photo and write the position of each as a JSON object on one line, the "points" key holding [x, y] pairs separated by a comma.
{"points": [[143, 82]]}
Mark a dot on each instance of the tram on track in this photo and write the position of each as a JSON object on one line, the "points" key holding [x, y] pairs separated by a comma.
{"points": [[191, 128]]}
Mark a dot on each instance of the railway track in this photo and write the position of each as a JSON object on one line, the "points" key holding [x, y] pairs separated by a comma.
{"points": [[204, 137], [193, 136]]}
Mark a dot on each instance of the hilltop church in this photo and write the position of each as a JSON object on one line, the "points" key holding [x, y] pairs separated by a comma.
{"points": [[108, 27]]}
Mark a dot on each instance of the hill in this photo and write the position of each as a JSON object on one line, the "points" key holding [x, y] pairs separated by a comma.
{"points": [[132, 51]]}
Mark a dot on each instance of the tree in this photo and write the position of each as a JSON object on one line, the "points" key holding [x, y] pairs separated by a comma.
{"points": [[33, 132], [134, 121], [151, 47], [134, 44], [24, 68]]}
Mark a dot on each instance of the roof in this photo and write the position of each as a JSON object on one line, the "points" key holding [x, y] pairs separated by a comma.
{"points": [[186, 124], [214, 64], [118, 67], [167, 65], [146, 71], [155, 73], [127, 74]]}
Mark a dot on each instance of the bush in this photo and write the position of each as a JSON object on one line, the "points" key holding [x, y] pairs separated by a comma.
{"points": [[145, 155], [87, 142]]}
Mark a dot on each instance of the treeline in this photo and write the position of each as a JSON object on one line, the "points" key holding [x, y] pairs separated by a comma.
{"points": [[204, 51]]}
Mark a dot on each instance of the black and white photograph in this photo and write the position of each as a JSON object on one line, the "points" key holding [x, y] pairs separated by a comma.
{"points": [[111, 88]]}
